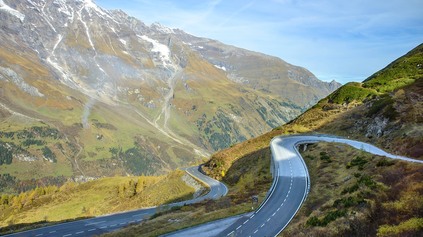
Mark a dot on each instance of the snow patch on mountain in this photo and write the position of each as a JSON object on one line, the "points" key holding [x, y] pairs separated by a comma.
{"points": [[6, 8], [9, 74], [63, 8], [90, 5], [123, 41], [221, 67], [163, 52]]}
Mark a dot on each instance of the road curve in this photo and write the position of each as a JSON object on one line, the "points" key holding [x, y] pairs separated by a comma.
{"points": [[103, 224], [291, 184]]}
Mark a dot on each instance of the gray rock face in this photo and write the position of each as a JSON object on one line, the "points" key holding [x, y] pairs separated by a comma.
{"points": [[9, 74], [377, 127]]}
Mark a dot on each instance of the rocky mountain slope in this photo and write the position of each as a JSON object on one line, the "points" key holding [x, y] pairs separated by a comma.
{"points": [[86, 92]]}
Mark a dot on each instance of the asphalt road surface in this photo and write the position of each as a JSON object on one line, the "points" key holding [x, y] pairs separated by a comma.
{"points": [[103, 224]]}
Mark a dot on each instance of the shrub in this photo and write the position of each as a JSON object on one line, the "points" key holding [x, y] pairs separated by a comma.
{"points": [[358, 161], [385, 162], [329, 217]]}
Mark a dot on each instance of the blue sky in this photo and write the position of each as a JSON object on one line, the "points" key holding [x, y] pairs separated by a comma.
{"points": [[345, 40]]}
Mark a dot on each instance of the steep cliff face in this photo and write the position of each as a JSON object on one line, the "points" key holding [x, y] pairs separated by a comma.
{"points": [[127, 98]]}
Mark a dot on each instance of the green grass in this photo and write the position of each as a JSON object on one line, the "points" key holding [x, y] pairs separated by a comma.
{"points": [[402, 72], [350, 92], [412, 225]]}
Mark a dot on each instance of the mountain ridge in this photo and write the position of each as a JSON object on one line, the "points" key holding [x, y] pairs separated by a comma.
{"points": [[127, 98]]}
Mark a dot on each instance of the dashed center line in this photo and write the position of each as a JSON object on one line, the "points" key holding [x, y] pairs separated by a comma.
{"points": [[79, 232], [245, 222], [91, 230], [238, 227], [40, 235], [67, 235], [95, 223], [255, 231], [262, 225], [52, 232]]}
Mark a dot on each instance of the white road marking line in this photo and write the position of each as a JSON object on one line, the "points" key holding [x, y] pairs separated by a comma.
{"points": [[262, 225], [112, 225], [245, 222], [103, 227], [273, 213], [251, 216], [95, 223], [51, 232], [66, 235], [91, 230], [268, 220], [40, 235], [256, 231], [123, 223], [238, 227], [131, 222], [80, 232], [230, 233]]}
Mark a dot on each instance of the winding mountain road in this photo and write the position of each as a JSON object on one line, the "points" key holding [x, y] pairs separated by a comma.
{"points": [[290, 187], [103, 224]]}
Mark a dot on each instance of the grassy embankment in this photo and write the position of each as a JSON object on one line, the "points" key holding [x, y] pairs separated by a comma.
{"points": [[354, 193], [98, 197]]}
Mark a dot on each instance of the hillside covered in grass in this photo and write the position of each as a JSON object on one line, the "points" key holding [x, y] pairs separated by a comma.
{"points": [[93, 198], [354, 193]]}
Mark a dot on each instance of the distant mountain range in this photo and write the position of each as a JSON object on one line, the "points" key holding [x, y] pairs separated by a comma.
{"points": [[86, 92]]}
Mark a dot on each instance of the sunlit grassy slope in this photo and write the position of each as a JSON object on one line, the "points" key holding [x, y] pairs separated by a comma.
{"points": [[93, 198]]}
